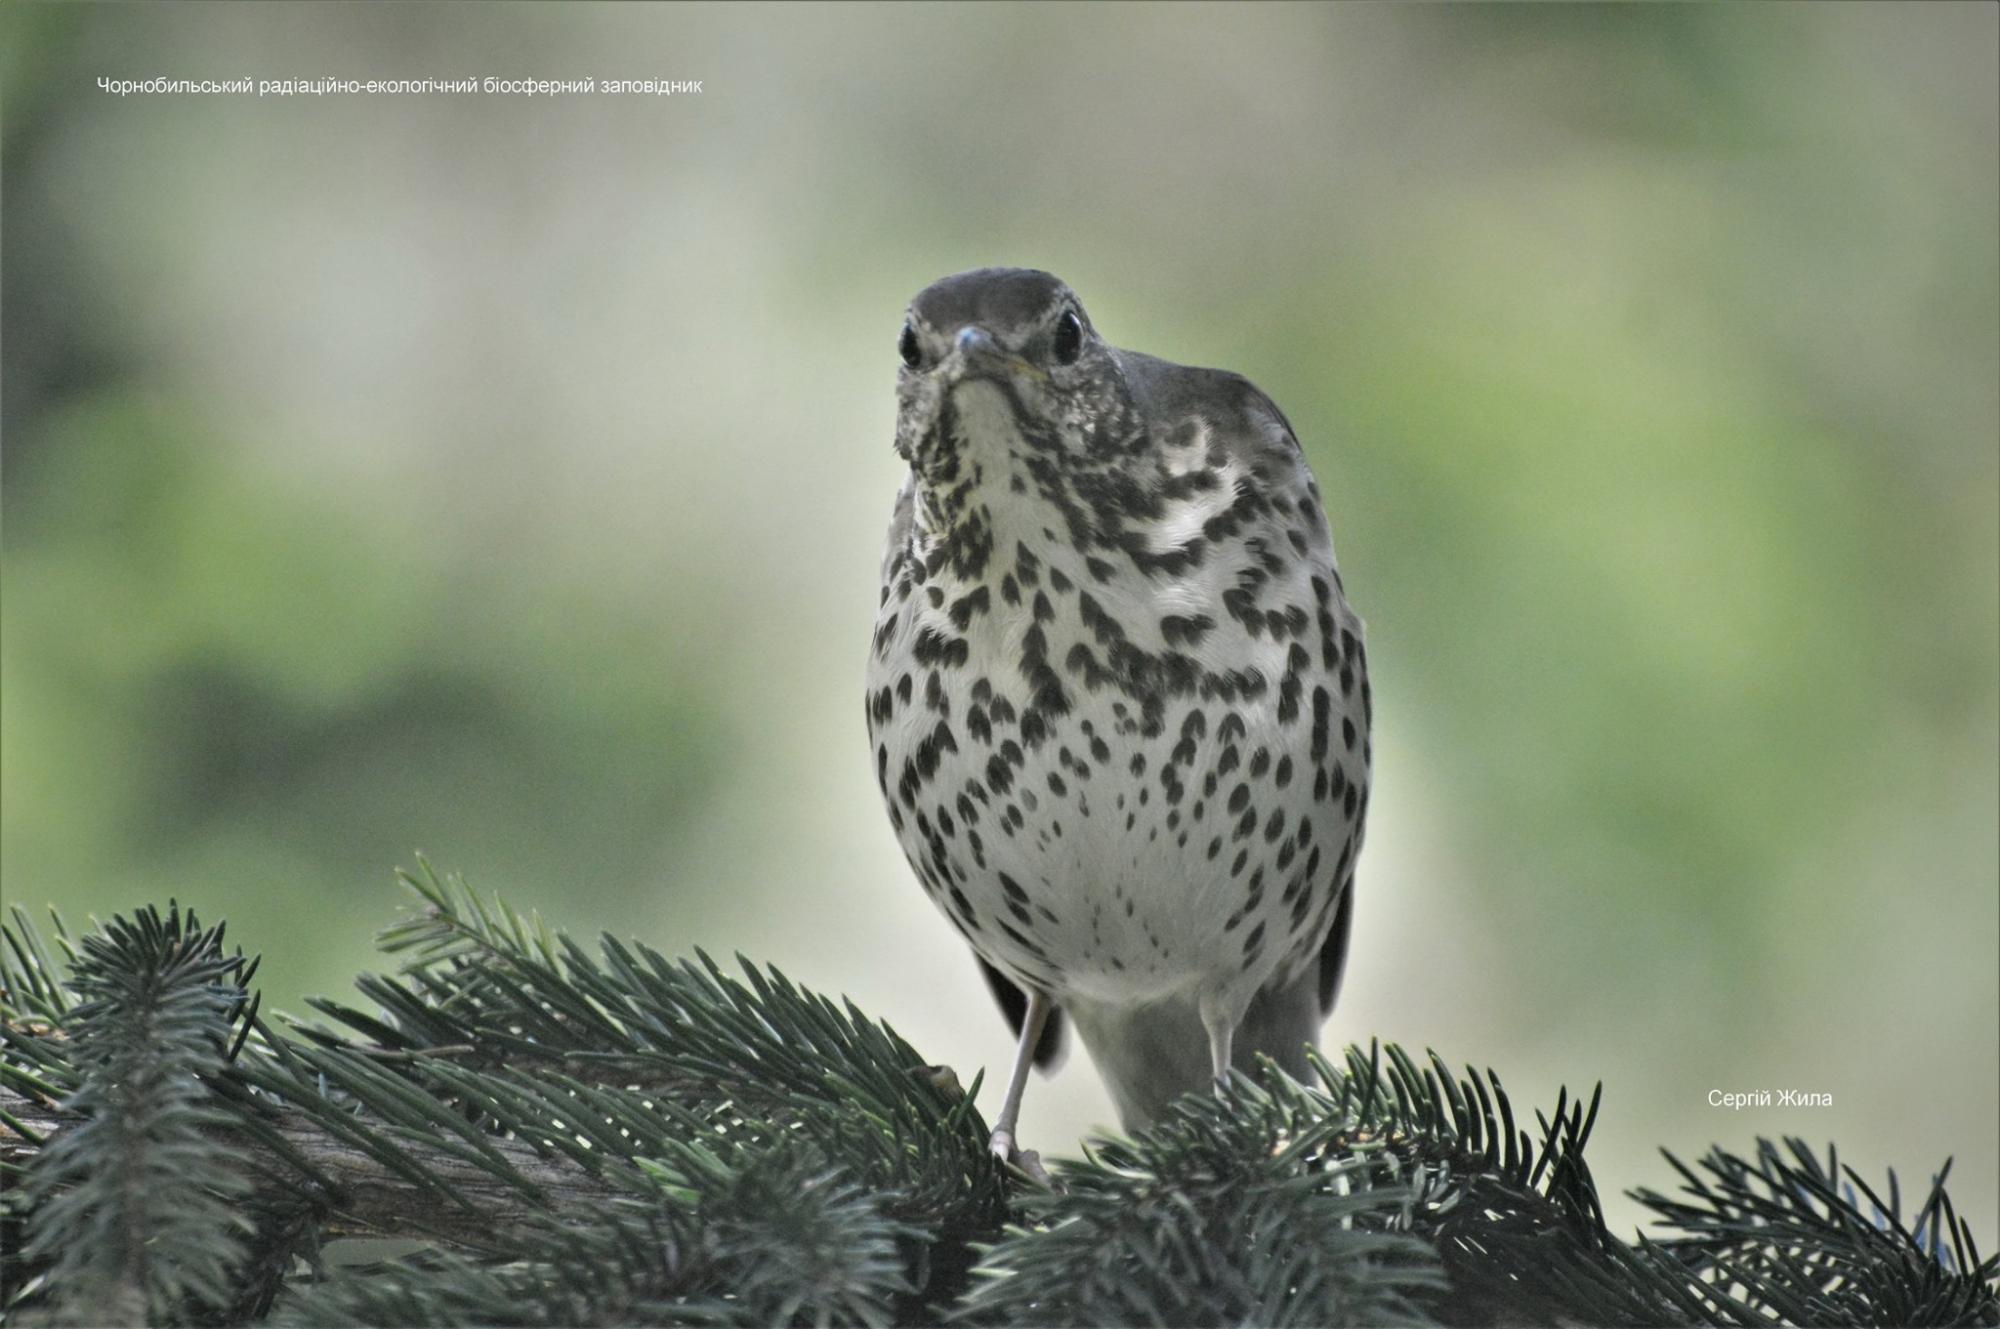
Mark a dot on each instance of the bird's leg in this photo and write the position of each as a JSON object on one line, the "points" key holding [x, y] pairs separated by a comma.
{"points": [[1037, 1016], [1221, 1027]]}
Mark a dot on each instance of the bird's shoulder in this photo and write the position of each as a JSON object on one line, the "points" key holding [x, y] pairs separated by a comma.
{"points": [[1238, 416], [1246, 430]]}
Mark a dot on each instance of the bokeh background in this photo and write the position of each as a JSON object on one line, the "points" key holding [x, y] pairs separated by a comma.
{"points": [[504, 478]]}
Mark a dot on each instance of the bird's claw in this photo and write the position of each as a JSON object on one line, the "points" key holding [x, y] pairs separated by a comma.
{"points": [[1026, 1161]]}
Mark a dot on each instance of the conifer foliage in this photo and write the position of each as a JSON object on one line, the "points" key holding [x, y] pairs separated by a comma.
{"points": [[553, 1135]]}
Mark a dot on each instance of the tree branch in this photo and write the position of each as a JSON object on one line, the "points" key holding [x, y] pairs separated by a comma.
{"points": [[367, 1197]]}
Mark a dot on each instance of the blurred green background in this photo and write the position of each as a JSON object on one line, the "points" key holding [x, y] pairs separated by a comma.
{"points": [[504, 478]]}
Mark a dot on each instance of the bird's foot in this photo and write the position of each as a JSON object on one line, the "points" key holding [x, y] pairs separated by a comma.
{"points": [[1025, 1161]]}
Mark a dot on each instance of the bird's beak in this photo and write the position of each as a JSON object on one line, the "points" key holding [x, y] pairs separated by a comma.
{"points": [[976, 353]]}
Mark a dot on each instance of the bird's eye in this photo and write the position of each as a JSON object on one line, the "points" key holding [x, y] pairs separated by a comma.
{"points": [[1069, 338], [913, 354]]}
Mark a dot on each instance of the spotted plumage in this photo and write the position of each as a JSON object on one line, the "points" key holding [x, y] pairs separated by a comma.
{"points": [[1118, 706]]}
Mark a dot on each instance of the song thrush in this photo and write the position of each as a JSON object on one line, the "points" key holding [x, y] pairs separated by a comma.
{"points": [[1118, 704]]}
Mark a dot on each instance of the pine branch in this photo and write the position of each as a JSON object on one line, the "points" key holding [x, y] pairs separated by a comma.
{"points": [[1235, 1209], [132, 1214], [1802, 1246], [781, 1241], [579, 1136], [355, 1194]]}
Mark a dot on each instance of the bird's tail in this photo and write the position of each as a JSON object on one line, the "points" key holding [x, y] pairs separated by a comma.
{"points": [[1150, 1055]]}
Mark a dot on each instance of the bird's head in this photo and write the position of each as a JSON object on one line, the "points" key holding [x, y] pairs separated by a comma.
{"points": [[1002, 372]]}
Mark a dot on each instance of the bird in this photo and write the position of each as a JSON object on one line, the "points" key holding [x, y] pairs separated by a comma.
{"points": [[1118, 705]]}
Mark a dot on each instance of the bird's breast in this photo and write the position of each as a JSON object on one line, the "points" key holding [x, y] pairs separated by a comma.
{"points": [[1118, 783]]}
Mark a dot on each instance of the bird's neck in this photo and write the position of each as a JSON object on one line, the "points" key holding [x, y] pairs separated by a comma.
{"points": [[971, 525]]}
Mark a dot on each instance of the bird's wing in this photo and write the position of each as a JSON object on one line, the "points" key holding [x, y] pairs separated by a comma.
{"points": [[1248, 426], [899, 528], [1333, 954], [1053, 1044]]}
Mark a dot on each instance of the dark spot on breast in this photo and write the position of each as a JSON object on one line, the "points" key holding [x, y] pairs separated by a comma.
{"points": [[1185, 630], [934, 648], [966, 606], [1288, 699], [1101, 624], [1034, 729], [1026, 565]]}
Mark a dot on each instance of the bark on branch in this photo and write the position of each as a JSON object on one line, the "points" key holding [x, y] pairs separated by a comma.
{"points": [[361, 1194]]}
